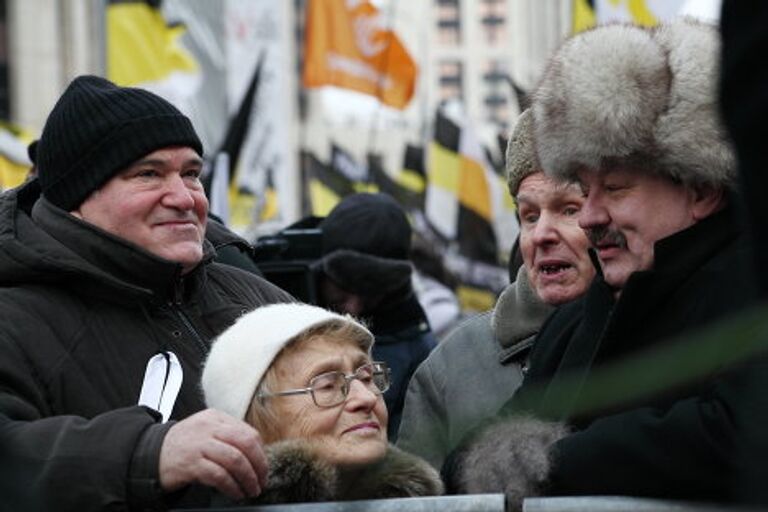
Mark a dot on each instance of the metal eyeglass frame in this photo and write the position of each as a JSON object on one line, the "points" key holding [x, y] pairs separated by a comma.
{"points": [[378, 368]]}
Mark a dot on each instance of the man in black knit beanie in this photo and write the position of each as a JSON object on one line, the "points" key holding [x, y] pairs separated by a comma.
{"points": [[110, 300]]}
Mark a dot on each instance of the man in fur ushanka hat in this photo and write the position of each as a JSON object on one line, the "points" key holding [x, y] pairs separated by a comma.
{"points": [[630, 114]]}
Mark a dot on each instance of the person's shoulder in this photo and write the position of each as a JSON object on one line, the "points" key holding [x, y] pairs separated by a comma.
{"points": [[472, 335], [468, 332], [236, 280]]}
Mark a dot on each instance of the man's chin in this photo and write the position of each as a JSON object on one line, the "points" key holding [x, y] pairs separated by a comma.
{"points": [[616, 278], [188, 257]]}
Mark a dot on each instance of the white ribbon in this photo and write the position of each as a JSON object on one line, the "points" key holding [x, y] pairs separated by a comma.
{"points": [[162, 382]]}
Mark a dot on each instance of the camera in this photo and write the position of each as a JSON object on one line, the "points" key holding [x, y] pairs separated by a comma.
{"points": [[289, 258]]}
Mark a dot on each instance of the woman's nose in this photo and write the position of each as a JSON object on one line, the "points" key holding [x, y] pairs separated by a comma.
{"points": [[360, 396]]}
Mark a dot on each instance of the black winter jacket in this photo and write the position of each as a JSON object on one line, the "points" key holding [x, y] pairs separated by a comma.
{"points": [[678, 443], [82, 313]]}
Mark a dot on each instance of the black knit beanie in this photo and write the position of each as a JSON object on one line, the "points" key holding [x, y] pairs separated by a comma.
{"points": [[97, 129], [373, 224], [366, 244]]}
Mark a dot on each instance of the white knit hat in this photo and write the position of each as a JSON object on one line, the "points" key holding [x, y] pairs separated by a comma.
{"points": [[241, 355]]}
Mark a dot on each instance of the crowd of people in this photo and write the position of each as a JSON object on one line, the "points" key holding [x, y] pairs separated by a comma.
{"points": [[146, 366]]}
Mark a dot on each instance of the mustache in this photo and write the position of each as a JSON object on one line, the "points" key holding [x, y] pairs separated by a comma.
{"points": [[604, 236]]}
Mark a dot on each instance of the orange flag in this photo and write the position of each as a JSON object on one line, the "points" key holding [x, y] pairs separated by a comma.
{"points": [[348, 46]]}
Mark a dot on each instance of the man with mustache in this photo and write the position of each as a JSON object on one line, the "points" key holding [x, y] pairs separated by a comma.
{"points": [[450, 392], [630, 114], [110, 299]]}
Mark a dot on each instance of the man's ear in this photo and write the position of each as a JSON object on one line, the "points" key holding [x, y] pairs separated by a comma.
{"points": [[706, 201]]}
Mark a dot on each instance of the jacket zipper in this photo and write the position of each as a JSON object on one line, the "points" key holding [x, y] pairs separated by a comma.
{"points": [[185, 320], [175, 306]]}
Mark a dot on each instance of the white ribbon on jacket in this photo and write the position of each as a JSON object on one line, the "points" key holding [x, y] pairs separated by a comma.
{"points": [[162, 382]]}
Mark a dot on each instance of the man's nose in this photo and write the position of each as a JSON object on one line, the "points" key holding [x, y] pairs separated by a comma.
{"points": [[593, 213], [545, 230], [177, 193]]}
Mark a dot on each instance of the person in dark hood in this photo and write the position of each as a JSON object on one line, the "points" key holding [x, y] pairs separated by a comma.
{"points": [[365, 271], [110, 298]]}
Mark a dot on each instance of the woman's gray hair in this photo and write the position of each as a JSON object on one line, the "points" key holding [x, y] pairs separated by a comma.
{"points": [[261, 415]]}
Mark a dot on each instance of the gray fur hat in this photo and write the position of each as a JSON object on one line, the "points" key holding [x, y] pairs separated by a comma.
{"points": [[521, 157], [626, 95]]}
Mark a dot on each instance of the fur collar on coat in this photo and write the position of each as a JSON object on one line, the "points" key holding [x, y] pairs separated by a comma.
{"points": [[296, 475]]}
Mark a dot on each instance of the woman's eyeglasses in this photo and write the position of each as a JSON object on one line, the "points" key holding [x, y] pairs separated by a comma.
{"points": [[331, 388]]}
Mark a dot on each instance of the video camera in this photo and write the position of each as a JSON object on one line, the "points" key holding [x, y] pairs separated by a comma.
{"points": [[289, 258]]}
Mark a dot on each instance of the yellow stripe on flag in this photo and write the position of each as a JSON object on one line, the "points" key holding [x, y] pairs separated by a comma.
{"points": [[509, 202], [241, 206], [641, 14], [475, 299], [141, 47], [270, 209], [444, 168], [363, 187], [583, 16], [411, 180], [473, 189], [12, 174], [322, 198]]}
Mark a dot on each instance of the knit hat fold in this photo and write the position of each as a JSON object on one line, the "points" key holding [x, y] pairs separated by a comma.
{"points": [[520, 158], [97, 129]]}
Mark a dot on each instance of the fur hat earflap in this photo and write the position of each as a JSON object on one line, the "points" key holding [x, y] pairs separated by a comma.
{"points": [[639, 97], [513, 456], [241, 355], [366, 274], [521, 157]]}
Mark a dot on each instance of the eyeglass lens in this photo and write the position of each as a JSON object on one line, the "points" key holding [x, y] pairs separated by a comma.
{"points": [[332, 388]]}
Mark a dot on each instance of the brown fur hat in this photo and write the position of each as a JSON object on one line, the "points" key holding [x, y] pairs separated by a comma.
{"points": [[643, 97]]}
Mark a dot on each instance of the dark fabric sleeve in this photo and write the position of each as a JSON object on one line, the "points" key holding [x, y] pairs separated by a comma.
{"points": [[61, 462], [678, 452], [144, 491], [71, 463]]}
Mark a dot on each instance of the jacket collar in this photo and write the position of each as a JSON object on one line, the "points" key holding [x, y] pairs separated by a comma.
{"points": [[113, 259], [518, 315], [298, 474]]}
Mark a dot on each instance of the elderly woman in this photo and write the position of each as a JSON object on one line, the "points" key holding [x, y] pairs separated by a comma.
{"points": [[304, 377]]}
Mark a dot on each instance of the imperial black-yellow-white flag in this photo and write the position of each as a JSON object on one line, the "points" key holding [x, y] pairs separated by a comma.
{"points": [[14, 161], [144, 50], [468, 205]]}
